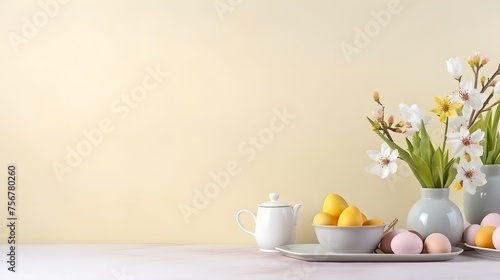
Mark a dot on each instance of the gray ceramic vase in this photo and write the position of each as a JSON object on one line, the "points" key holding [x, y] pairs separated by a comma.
{"points": [[435, 212], [486, 199]]}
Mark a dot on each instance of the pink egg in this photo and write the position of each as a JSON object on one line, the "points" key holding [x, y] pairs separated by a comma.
{"points": [[437, 243], [496, 238], [385, 243], [470, 234], [492, 219], [407, 243]]}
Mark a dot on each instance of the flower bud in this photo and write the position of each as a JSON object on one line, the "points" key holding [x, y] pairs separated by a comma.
{"points": [[458, 186], [474, 60], [376, 96], [378, 113], [390, 120], [483, 80], [485, 59], [398, 130], [470, 60], [476, 57], [454, 66]]}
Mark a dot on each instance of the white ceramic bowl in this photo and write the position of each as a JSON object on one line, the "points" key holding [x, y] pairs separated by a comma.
{"points": [[349, 240]]}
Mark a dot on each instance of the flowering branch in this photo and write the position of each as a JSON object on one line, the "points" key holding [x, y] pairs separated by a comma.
{"points": [[471, 133], [475, 114]]}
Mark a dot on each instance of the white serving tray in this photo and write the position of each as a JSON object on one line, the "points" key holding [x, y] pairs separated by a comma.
{"points": [[315, 253], [485, 251]]}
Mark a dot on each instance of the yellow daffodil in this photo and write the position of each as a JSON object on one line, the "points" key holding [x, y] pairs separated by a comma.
{"points": [[445, 108]]}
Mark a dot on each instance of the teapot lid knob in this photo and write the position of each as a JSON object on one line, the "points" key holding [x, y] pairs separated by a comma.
{"points": [[274, 196], [273, 202]]}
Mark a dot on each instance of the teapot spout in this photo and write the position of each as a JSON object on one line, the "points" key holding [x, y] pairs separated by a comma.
{"points": [[296, 208]]}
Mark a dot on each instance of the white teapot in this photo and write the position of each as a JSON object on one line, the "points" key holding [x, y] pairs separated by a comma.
{"points": [[274, 223]]}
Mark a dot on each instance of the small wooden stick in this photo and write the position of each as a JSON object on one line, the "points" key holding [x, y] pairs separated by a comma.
{"points": [[391, 225]]}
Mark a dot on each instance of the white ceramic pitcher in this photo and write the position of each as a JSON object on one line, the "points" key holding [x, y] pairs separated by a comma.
{"points": [[274, 223]]}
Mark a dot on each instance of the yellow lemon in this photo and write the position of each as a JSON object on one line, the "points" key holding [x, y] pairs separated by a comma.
{"points": [[325, 219], [351, 216], [334, 204], [373, 222], [484, 237], [364, 217]]}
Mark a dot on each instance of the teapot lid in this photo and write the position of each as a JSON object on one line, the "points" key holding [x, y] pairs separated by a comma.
{"points": [[274, 201]]}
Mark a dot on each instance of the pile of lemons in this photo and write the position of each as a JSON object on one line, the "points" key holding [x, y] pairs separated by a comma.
{"points": [[337, 212]]}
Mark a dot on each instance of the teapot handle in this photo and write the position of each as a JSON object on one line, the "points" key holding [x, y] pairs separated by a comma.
{"points": [[239, 222]]}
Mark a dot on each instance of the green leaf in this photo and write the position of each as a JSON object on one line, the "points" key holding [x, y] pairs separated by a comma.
{"points": [[494, 144], [482, 124], [495, 153], [426, 147], [489, 134], [490, 157], [410, 146], [423, 171], [437, 167], [497, 159], [475, 126], [450, 174], [488, 122], [416, 143], [445, 157], [494, 125]]}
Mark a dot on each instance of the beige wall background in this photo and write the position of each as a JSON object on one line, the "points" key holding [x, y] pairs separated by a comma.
{"points": [[117, 112]]}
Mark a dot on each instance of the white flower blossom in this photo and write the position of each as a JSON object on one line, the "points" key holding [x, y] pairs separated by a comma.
{"points": [[463, 142], [470, 174], [385, 161], [378, 113], [468, 95], [413, 117], [455, 123]]}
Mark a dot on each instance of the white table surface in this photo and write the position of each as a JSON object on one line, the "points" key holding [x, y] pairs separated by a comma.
{"points": [[218, 261]]}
